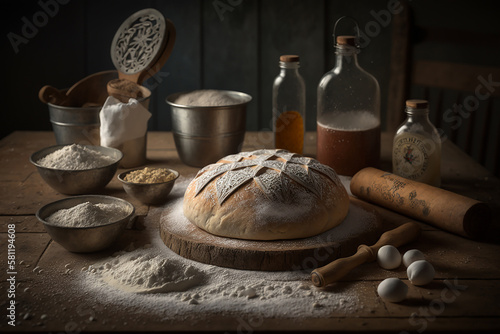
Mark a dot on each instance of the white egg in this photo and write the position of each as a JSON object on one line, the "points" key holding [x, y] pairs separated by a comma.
{"points": [[411, 256], [388, 257], [393, 290], [420, 272]]}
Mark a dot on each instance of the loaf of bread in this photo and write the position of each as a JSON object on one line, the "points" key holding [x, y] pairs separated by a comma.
{"points": [[266, 195]]}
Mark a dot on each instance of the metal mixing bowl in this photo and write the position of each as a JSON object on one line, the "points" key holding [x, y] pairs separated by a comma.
{"points": [[75, 182], [203, 135], [148, 193], [85, 239]]}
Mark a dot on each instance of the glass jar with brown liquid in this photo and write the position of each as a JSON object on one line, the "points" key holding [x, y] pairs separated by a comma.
{"points": [[348, 114], [289, 106]]}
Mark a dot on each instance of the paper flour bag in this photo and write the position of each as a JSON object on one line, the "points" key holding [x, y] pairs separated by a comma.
{"points": [[124, 127]]}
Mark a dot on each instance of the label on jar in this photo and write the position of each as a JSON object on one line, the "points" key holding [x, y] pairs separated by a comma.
{"points": [[416, 158]]}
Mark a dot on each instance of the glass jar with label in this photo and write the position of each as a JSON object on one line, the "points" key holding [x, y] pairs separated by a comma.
{"points": [[416, 153], [348, 122], [289, 106]]}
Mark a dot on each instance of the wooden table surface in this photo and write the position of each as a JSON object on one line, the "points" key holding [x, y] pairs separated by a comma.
{"points": [[465, 295]]}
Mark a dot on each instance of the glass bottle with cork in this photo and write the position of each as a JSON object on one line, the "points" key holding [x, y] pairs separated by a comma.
{"points": [[348, 115], [289, 106], [416, 153]]}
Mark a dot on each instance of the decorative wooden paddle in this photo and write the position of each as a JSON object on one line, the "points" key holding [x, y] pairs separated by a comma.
{"points": [[337, 269], [140, 48]]}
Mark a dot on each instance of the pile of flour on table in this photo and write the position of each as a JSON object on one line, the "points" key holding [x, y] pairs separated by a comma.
{"points": [[75, 157], [143, 271], [150, 278]]}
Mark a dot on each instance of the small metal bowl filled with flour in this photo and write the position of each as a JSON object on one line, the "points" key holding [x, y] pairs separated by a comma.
{"points": [[208, 124], [150, 185], [85, 224], [77, 169]]}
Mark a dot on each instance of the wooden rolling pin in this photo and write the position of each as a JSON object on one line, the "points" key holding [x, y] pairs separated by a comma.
{"points": [[337, 269], [438, 207]]}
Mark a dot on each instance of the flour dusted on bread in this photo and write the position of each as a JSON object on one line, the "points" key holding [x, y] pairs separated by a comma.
{"points": [[266, 195]]}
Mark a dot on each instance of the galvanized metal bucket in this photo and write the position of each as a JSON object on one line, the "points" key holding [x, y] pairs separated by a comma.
{"points": [[73, 125], [203, 135], [81, 125]]}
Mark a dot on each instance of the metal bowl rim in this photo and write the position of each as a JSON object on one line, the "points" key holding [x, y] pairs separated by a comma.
{"points": [[173, 96], [73, 108], [73, 170], [141, 184], [126, 203]]}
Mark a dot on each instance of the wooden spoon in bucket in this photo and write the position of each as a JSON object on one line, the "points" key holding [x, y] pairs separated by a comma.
{"points": [[90, 91], [52, 95], [137, 63]]}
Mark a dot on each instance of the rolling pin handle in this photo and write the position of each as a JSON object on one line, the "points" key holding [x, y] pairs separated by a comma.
{"points": [[399, 236], [337, 269], [371, 254], [317, 279]]}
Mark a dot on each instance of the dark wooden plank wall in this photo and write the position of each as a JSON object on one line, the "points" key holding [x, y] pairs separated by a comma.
{"points": [[236, 49]]}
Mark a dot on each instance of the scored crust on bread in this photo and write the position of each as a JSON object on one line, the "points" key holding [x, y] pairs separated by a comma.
{"points": [[266, 195]]}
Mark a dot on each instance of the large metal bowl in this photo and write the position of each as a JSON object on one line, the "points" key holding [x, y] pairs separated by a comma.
{"points": [[85, 239], [203, 135], [76, 182], [148, 193]]}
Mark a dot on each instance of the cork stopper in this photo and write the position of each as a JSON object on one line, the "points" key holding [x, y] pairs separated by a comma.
{"points": [[417, 104], [290, 58], [346, 40]]}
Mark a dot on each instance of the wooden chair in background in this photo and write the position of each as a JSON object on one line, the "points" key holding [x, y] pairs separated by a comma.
{"points": [[464, 98]]}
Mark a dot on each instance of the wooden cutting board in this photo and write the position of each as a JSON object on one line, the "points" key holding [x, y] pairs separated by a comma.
{"points": [[363, 225]]}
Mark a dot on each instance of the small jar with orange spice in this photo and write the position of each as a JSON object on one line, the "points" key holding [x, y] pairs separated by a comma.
{"points": [[289, 106]]}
